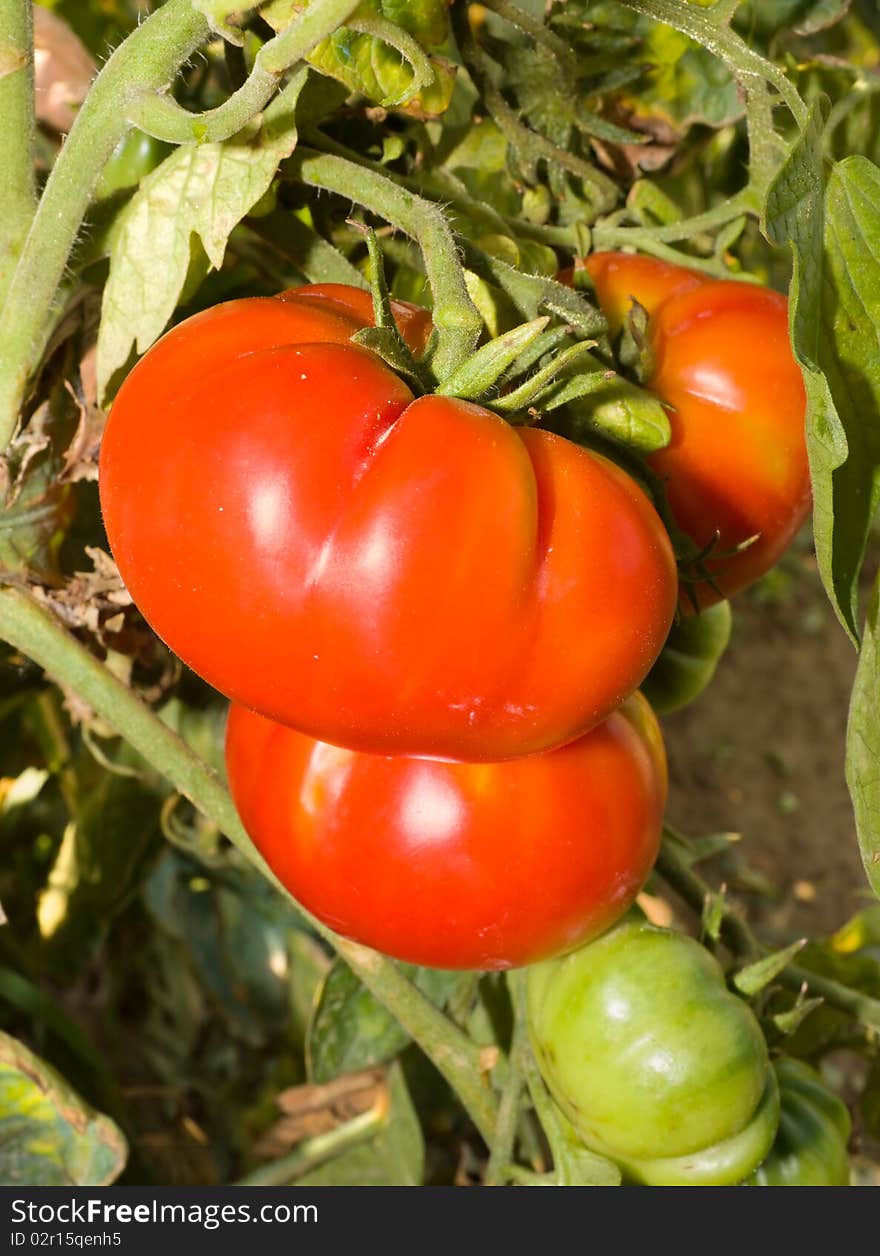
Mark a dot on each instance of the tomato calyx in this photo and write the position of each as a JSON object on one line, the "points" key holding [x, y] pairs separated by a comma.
{"points": [[634, 350], [497, 374]]}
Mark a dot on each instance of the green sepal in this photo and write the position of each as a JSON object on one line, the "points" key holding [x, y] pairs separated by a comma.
{"points": [[789, 1022], [609, 406], [753, 978], [712, 916], [634, 350], [538, 390], [478, 375], [384, 337]]}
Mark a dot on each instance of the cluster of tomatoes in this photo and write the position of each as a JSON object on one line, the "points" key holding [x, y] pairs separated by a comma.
{"points": [[433, 627]]}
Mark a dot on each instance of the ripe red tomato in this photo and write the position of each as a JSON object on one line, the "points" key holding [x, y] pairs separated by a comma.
{"points": [[390, 574], [456, 865], [722, 364]]}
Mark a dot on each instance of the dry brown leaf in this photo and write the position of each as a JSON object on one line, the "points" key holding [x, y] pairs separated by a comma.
{"points": [[80, 459], [32, 440], [316, 1109], [627, 161], [63, 70], [90, 598]]}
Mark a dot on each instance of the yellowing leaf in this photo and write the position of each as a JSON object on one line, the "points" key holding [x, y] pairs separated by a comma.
{"points": [[202, 191], [48, 1135]]}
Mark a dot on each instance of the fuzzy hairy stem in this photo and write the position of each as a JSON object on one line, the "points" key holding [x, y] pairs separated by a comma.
{"points": [[456, 318], [163, 118], [17, 189]]}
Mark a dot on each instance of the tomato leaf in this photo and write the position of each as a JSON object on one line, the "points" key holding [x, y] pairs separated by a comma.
{"points": [[836, 335], [101, 856], [790, 1022], [765, 18], [201, 191], [48, 1135], [863, 745], [232, 930], [294, 241], [682, 84], [351, 1030]]}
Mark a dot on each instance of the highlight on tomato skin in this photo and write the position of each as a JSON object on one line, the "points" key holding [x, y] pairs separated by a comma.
{"points": [[456, 865], [736, 471], [391, 574]]}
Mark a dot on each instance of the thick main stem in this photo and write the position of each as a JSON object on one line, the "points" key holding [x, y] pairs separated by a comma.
{"points": [[33, 630], [456, 318], [17, 190], [149, 58]]}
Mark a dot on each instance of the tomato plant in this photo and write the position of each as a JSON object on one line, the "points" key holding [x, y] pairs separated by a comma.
{"points": [[735, 470], [501, 338], [656, 1064], [340, 535], [456, 865]]}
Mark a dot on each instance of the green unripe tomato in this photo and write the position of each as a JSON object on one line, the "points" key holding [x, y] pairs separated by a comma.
{"points": [[135, 155], [655, 1063], [814, 1128], [689, 658]]}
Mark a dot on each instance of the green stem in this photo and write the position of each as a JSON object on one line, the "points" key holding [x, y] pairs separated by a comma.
{"points": [[33, 630], [745, 202], [149, 58], [453, 1053], [740, 940], [703, 26], [17, 190], [645, 240], [316, 1151], [859, 1006], [504, 1137], [695, 891], [456, 318], [163, 118], [444, 187]]}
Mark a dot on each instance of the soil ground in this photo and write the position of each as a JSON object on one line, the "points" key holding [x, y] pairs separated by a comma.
{"points": [[761, 753]]}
